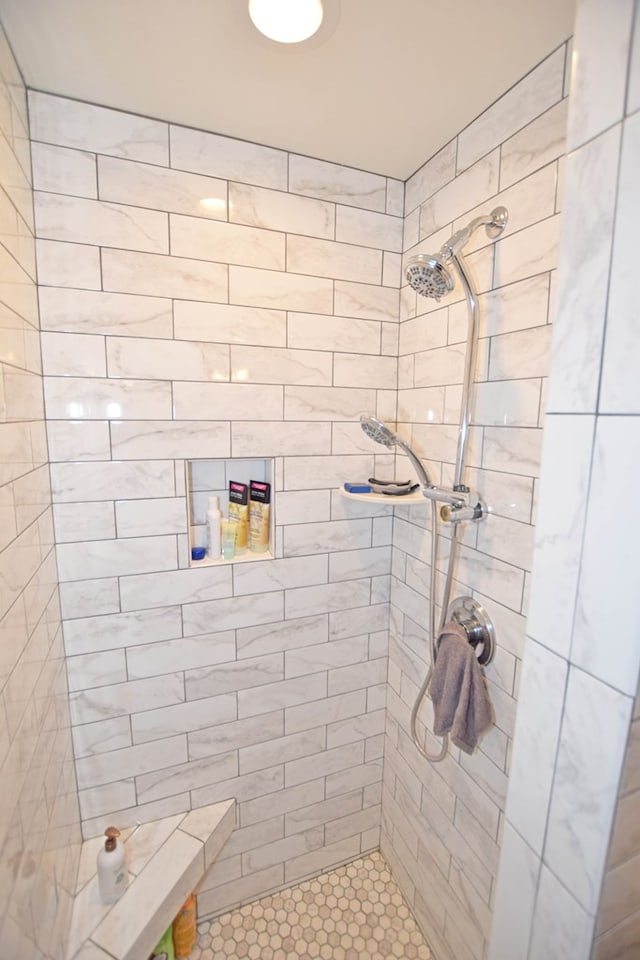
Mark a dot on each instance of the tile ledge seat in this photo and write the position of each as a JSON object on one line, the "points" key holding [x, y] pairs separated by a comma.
{"points": [[167, 860]]}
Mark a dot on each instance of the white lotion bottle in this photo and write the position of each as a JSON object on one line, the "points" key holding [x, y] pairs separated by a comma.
{"points": [[214, 528], [112, 869]]}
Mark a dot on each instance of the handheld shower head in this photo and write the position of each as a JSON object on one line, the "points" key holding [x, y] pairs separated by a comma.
{"points": [[429, 277], [378, 430], [428, 274]]}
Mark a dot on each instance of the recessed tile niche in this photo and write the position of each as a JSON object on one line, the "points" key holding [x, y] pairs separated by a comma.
{"points": [[209, 478]]}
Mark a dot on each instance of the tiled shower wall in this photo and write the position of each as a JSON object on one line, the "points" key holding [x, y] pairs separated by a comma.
{"points": [[442, 822], [208, 298], [39, 816]]}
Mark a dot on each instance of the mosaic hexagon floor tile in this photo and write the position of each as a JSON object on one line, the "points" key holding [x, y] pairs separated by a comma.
{"points": [[353, 913]]}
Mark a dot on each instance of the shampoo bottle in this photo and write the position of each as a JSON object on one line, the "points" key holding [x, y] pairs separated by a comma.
{"points": [[259, 516], [214, 518], [112, 870]]}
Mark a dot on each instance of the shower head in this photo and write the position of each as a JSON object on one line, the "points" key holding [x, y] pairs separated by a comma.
{"points": [[429, 277], [381, 433], [428, 274]]}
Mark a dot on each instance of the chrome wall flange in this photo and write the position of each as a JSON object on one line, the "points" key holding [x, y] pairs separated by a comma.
{"points": [[499, 220]]}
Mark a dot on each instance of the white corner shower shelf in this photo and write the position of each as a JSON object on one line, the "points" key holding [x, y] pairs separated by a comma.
{"points": [[393, 500]]}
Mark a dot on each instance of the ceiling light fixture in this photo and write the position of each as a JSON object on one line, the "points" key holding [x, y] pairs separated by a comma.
{"points": [[287, 21]]}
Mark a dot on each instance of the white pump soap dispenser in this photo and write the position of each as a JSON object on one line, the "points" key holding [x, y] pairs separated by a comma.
{"points": [[112, 869]]}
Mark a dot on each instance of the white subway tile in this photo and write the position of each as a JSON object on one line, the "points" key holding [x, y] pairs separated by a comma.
{"points": [[269, 365], [84, 597], [327, 598], [281, 750], [78, 440], [281, 802], [360, 776], [121, 629], [78, 220], [185, 653], [509, 403], [130, 761], [366, 301], [561, 928], [229, 324], [285, 291], [146, 185], [68, 265], [83, 521], [460, 195], [178, 586], [189, 776], [235, 735], [283, 850], [280, 211], [98, 801], [326, 403], [325, 710], [324, 656], [542, 141], [313, 538], [148, 517], [310, 331], [75, 355], [326, 258], [532, 251], [536, 92], [232, 613], [331, 181], [83, 126], [228, 158], [101, 736], [352, 564], [226, 242], [279, 574], [96, 669], [180, 718], [227, 401], [282, 694], [229, 677], [432, 176], [512, 450], [85, 311], [598, 71], [288, 439], [276, 637], [107, 558], [166, 360], [76, 398], [515, 897], [154, 439], [156, 275], [368, 229], [73, 482], [123, 698], [61, 170], [354, 370], [323, 764]]}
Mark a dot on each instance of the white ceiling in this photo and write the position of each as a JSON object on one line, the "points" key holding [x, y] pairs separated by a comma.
{"points": [[383, 86]]}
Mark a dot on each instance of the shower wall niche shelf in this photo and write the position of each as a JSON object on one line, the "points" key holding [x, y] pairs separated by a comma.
{"points": [[209, 478], [390, 499]]}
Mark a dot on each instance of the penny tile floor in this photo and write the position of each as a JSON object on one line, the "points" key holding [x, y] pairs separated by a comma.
{"points": [[353, 913]]}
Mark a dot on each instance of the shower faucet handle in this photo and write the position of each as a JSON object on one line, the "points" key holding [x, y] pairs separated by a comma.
{"points": [[474, 509]]}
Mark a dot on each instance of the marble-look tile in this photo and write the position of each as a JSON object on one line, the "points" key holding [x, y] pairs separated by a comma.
{"points": [[230, 614], [509, 403], [354, 370], [273, 210], [326, 403], [154, 659], [107, 632], [589, 763], [96, 670], [73, 482], [540, 706], [108, 558], [607, 563], [84, 521], [225, 157], [542, 141], [326, 258], [598, 71], [251, 287], [277, 637], [230, 324], [309, 473], [147, 185], [314, 332], [68, 265], [368, 228], [512, 450], [156, 275], [76, 398], [273, 365], [71, 123], [181, 718], [536, 92], [587, 233], [85, 597], [432, 176], [327, 598], [524, 353], [73, 355], [333, 182], [196, 400], [101, 737], [166, 360], [178, 586], [123, 698], [618, 392], [567, 452], [288, 439], [85, 311], [61, 170], [226, 242], [326, 656], [532, 251], [132, 439], [312, 538], [460, 194], [77, 220], [562, 929], [145, 518], [366, 301], [130, 761], [279, 574], [232, 676]]}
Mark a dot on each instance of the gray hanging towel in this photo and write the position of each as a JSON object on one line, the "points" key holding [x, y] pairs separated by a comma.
{"points": [[458, 690]]}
